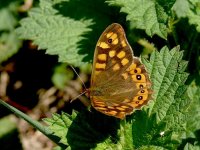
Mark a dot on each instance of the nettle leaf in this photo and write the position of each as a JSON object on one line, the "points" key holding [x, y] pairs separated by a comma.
{"points": [[167, 115], [59, 124], [9, 45], [123, 140], [148, 15], [8, 14], [166, 72], [81, 131], [192, 135], [159, 127], [194, 15], [189, 9], [62, 75], [193, 92], [61, 28], [189, 146], [56, 34], [9, 42], [181, 7], [151, 148]]}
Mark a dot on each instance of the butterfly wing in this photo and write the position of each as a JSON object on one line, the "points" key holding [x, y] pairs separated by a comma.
{"points": [[119, 82]]}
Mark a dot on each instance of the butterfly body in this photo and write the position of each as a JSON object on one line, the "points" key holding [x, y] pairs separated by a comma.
{"points": [[119, 82]]}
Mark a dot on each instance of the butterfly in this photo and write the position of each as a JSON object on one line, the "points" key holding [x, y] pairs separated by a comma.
{"points": [[120, 83]]}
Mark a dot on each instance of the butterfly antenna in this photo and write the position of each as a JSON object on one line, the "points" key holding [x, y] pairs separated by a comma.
{"points": [[78, 96], [80, 80]]}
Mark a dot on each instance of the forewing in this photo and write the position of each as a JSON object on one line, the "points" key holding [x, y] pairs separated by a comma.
{"points": [[112, 51]]}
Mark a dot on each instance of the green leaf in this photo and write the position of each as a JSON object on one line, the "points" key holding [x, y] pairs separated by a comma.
{"points": [[57, 34], [62, 75], [193, 92], [59, 124], [166, 73], [189, 9], [181, 7], [194, 16], [151, 148], [125, 140], [192, 135], [189, 146], [9, 135], [63, 28], [163, 124], [8, 12], [9, 45], [9, 42], [7, 126], [80, 130], [148, 15]]}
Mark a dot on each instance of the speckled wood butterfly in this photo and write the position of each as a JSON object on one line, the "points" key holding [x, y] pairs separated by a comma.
{"points": [[119, 83]]}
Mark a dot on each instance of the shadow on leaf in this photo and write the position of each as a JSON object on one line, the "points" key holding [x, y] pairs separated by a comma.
{"points": [[90, 128]]}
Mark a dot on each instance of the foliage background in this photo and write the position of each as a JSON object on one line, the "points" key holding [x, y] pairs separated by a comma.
{"points": [[65, 32]]}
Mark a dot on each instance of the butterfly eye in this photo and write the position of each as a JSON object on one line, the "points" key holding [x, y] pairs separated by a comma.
{"points": [[135, 70], [110, 41]]}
